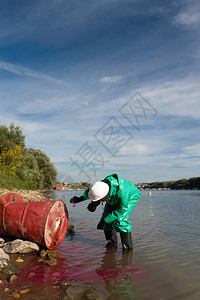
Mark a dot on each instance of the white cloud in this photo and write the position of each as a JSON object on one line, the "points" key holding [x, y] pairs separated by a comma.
{"points": [[111, 79], [135, 149], [44, 106], [193, 150], [175, 98], [190, 15], [23, 71]]}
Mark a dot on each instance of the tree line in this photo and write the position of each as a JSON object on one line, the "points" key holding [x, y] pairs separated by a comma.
{"points": [[181, 184], [22, 167]]}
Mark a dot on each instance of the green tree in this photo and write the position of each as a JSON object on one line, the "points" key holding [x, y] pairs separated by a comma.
{"points": [[11, 136], [29, 171], [20, 166], [86, 184], [194, 182], [10, 159], [12, 141], [45, 167]]}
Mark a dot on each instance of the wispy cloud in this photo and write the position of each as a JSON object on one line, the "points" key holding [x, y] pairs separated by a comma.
{"points": [[107, 50], [23, 71], [176, 98], [190, 15], [43, 106], [193, 150], [111, 79]]}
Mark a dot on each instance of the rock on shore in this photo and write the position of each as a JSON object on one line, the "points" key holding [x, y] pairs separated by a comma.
{"points": [[15, 246], [20, 246]]}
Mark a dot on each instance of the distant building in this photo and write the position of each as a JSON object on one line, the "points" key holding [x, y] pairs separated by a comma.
{"points": [[57, 187]]}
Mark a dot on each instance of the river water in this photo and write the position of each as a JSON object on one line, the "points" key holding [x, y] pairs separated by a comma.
{"points": [[166, 259], [165, 263]]}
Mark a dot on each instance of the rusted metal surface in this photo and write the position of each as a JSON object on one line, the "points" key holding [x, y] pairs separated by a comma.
{"points": [[11, 198], [43, 222], [12, 218], [56, 223]]}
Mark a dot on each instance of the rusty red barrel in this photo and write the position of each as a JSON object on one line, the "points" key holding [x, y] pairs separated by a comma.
{"points": [[4, 199], [11, 198], [43, 222]]}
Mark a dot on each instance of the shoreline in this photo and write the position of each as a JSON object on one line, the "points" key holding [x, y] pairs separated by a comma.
{"points": [[36, 195], [12, 283]]}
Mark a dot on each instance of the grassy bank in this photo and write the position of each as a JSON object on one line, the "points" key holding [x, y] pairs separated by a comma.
{"points": [[10, 182]]}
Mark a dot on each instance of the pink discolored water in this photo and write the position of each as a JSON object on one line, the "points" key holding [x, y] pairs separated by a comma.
{"points": [[100, 267], [163, 265], [75, 262]]}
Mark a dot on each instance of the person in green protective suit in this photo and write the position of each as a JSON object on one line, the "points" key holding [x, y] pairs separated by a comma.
{"points": [[121, 197]]}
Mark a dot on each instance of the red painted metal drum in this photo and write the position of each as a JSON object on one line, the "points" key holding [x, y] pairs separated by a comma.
{"points": [[11, 198], [12, 217], [43, 222], [4, 199]]}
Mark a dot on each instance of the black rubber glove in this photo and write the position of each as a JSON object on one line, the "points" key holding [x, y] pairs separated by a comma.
{"points": [[102, 224], [76, 199], [93, 205]]}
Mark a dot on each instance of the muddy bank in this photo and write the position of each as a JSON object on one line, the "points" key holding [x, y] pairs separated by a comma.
{"points": [[24, 283], [28, 195], [22, 275], [39, 275]]}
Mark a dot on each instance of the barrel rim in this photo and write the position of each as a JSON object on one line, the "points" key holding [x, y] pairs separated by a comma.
{"points": [[64, 227]]}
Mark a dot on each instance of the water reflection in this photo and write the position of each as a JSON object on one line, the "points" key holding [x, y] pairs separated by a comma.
{"points": [[166, 242], [151, 212], [118, 274]]}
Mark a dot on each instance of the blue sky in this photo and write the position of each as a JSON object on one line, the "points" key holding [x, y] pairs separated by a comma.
{"points": [[105, 86]]}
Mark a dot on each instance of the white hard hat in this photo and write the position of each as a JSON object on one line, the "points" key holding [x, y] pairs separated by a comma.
{"points": [[98, 190]]}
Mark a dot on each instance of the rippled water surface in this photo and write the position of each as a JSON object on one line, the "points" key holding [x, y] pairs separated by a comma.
{"points": [[166, 260], [165, 263]]}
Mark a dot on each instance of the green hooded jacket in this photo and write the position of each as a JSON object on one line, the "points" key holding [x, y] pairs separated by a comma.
{"points": [[124, 196]]}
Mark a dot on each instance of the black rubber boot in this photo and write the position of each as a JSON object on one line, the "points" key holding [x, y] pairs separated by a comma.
{"points": [[126, 240], [111, 237]]}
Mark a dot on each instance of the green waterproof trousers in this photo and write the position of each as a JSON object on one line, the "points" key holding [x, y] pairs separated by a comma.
{"points": [[121, 223]]}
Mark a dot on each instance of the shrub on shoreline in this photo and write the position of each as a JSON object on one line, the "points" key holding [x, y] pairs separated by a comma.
{"points": [[21, 167]]}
